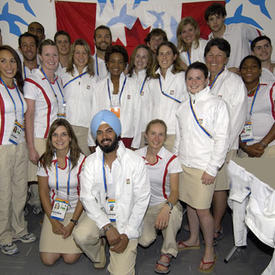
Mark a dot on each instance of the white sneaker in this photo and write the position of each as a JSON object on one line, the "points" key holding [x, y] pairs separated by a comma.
{"points": [[27, 238], [9, 249]]}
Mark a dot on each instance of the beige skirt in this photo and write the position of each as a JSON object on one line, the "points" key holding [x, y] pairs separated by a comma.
{"points": [[82, 139], [192, 191], [54, 243]]}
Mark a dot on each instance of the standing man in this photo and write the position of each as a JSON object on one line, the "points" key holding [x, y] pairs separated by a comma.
{"points": [[238, 35], [63, 42], [28, 44], [261, 47], [115, 193], [102, 40], [37, 29]]}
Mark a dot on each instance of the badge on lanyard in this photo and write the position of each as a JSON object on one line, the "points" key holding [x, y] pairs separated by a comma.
{"points": [[116, 111], [59, 209], [111, 209], [17, 133], [247, 133], [172, 92], [62, 114]]}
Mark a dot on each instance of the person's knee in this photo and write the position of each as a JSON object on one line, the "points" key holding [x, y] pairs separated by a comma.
{"points": [[48, 260], [82, 236], [146, 241], [70, 258]]}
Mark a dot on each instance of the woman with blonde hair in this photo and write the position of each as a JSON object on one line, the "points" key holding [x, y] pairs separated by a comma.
{"points": [[79, 81], [190, 45]]}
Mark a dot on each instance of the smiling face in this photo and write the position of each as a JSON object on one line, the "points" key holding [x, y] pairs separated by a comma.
{"points": [[80, 57], [61, 139], [215, 60], [102, 39], [49, 58], [188, 34], [28, 48], [63, 44], [250, 72], [156, 136], [106, 138], [263, 50], [165, 57], [141, 59], [154, 42], [8, 66], [195, 81], [116, 64]]}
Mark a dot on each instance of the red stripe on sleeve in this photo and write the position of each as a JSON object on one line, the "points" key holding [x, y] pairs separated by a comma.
{"points": [[165, 174]]}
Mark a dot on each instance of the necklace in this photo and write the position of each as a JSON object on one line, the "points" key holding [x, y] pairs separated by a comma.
{"points": [[253, 90]]}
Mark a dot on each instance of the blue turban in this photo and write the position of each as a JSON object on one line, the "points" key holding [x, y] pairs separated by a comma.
{"points": [[108, 117]]}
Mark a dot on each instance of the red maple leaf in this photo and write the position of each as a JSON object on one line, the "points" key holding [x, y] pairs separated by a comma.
{"points": [[134, 36]]}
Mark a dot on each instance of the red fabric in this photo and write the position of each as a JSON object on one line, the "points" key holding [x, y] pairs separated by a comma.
{"points": [[78, 19], [127, 142], [2, 114], [165, 174], [197, 10]]}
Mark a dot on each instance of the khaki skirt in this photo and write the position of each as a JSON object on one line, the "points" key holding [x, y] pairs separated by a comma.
{"points": [[192, 191], [54, 243]]}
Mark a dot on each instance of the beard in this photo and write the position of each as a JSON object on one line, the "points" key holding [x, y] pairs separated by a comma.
{"points": [[108, 148], [98, 47]]}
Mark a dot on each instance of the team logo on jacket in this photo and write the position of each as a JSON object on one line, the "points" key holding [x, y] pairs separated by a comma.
{"points": [[127, 181], [88, 87], [128, 96], [200, 121], [172, 92]]}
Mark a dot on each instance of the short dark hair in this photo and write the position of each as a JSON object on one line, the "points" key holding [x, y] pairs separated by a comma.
{"points": [[103, 27], [156, 32], [214, 9], [197, 66], [61, 32], [258, 61], [257, 39], [116, 49], [46, 42], [28, 34], [42, 27], [221, 43]]}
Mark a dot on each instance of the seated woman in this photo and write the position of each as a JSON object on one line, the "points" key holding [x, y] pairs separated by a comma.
{"points": [[58, 179], [202, 142], [257, 138], [164, 212]]}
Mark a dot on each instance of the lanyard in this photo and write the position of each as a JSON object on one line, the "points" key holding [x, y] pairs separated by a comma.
{"points": [[120, 93], [104, 176], [14, 104], [165, 93], [143, 83], [194, 114], [25, 74], [68, 180], [253, 101], [53, 88], [74, 79], [216, 77], [96, 63], [188, 56]]}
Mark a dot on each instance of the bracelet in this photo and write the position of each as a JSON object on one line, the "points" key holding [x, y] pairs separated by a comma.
{"points": [[263, 144], [170, 205], [75, 222]]}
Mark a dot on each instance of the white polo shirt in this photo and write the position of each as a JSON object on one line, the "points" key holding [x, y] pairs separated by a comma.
{"points": [[100, 67], [47, 105]]}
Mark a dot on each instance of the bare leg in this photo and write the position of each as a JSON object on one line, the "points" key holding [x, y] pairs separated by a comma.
{"points": [[219, 208], [49, 258], [71, 258]]}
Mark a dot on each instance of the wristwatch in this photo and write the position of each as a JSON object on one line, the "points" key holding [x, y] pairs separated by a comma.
{"points": [[170, 205], [75, 222]]}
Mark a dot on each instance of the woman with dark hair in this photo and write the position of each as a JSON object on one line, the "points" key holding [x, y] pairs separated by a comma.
{"points": [[13, 151], [43, 93], [190, 45], [118, 93], [167, 88], [58, 179], [78, 87], [258, 136], [140, 70], [230, 87], [201, 145]]}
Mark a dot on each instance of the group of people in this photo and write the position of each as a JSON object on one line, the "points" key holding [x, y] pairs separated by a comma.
{"points": [[116, 145]]}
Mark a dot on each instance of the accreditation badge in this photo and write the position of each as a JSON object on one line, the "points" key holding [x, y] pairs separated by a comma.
{"points": [[60, 207], [62, 113], [17, 133], [111, 209], [247, 134], [116, 111]]}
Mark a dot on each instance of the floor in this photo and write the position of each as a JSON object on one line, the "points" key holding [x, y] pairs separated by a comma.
{"points": [[249, 261]]}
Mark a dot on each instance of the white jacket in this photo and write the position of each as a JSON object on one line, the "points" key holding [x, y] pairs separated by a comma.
{"points": [[132, 191], [193, 146], [230, 87]]}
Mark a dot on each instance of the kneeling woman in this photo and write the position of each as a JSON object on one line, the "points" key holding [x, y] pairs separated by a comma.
{"points": [[201, 143], [164, 212], [58, 179]]}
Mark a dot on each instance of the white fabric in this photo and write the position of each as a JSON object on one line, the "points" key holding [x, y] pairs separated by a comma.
{"points": [[197, 54], [256, 200], [100, 69], [7, 113], [267, 76], [156, 173], [60, 70], [62, 181], [129, 109], [194, 148], [164, 107], [78, 95], [239, 37], [26, 72], [230, 87], [263, 111], [47, 105], [132, 191]]}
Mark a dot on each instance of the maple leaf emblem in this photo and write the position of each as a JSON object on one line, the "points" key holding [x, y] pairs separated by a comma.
{"points": [[134, 36]]}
